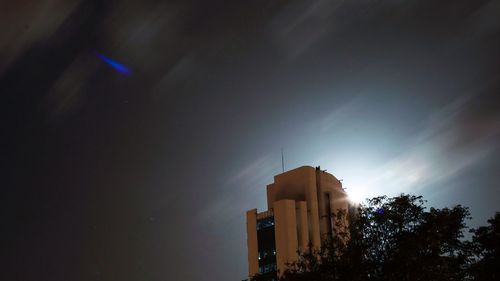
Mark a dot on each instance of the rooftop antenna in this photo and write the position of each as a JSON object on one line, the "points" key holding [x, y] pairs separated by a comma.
{"points": [[282, 161]]}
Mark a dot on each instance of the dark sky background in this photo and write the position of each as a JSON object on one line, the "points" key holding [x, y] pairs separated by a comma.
{"points": [[148, 176]]}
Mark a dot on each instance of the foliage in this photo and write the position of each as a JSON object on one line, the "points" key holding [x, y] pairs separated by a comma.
{"points": [[401, 239], [397, 239], [486, 249]]}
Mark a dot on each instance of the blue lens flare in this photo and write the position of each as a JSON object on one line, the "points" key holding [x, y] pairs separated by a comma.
{"points": [[116, 65]]}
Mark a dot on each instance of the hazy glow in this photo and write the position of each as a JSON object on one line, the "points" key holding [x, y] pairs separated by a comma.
{"points": [[396, 176], [357, 194]]}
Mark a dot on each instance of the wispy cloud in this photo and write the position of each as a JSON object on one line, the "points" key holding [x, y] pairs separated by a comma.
{"points": [[28, 23], [456, 137], [298, 26], [240, 192], [67, 93]]}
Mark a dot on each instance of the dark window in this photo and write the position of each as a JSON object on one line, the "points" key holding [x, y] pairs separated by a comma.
{"points": [[267, 248], [265, 223]]}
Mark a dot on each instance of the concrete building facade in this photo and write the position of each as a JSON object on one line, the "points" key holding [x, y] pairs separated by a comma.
{"points": [[300, 205]]}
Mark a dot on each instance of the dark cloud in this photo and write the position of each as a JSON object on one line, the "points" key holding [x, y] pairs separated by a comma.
{"points": [[148, 176]]}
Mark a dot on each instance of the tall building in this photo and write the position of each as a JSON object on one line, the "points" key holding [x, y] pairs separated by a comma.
{"points": [[300, 204]]}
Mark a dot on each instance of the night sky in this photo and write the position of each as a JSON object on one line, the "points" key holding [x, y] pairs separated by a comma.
{"points": [[135, 134]]}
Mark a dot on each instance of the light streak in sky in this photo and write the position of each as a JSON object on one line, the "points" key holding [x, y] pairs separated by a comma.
{"points": [[116, 65]]}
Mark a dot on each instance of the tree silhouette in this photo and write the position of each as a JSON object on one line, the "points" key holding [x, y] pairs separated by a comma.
{"points": [[486, 249], [391, 239], [399, 239]]}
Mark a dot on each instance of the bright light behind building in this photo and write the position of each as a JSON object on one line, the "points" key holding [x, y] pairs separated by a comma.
{"points": [[356, 194]]}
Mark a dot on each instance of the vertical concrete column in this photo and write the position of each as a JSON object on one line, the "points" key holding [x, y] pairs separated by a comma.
{"points": [[270, 196], [285, 233], [340, 200], [302, 225], [312, 209], [324, 215], [253, 259], [340, 203]]}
